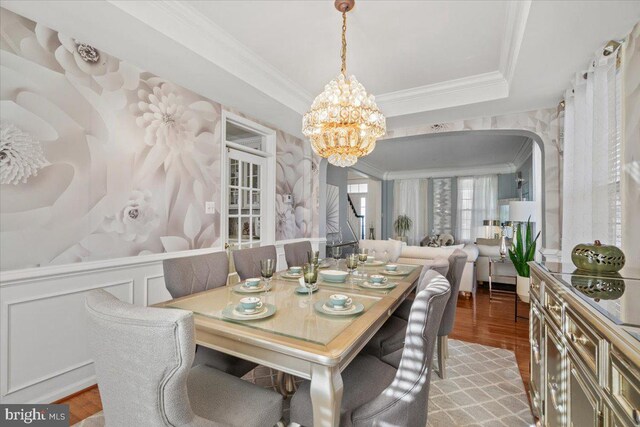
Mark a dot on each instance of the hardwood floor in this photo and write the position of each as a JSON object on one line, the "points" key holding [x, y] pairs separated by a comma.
{"points": [[490, 323], [493, 324], [82, 404]]}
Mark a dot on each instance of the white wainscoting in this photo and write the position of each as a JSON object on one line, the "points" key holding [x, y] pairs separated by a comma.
{"points": [[43, 350]]}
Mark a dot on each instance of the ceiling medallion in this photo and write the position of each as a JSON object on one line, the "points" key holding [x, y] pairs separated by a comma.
{"points": [[344, 122]]}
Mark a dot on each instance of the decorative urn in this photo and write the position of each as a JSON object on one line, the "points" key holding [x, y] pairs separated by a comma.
{"points": [[598, 258]]}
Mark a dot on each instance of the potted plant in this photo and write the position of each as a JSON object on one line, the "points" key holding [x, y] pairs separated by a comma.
{"points": [[402, 225], [522, 251]]}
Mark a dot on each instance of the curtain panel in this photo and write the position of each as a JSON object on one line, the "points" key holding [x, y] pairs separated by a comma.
{"points": [[591, 161], [485, 203], [477, 201], [410, 198]]}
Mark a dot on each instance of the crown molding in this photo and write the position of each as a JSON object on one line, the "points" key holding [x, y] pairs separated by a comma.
{"points": [[450, 172], [450, 93], [517, 16], [187, 26], [184, 24], [467, 90], [523, 154], [368, 169]]}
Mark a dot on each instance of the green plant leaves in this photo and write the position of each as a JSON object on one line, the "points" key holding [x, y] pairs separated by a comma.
{"points": [[523, 249]]}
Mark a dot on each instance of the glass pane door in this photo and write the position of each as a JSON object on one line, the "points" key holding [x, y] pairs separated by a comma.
{"points": [[245, 199]]}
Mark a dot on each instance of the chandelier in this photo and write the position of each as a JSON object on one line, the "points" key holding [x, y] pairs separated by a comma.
{"points": [[344, 122]]}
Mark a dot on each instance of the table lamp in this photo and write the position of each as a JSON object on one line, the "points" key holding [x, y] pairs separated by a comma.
{"points": [[521, 210]]}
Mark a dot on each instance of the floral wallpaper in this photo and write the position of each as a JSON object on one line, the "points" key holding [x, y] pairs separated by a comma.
{"points": [[100, 159]]}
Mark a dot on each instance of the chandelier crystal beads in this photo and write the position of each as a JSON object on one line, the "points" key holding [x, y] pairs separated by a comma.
{"points": [[344, 121]]}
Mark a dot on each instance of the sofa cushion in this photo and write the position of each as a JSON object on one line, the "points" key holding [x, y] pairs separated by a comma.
{"points": [[427, 252], [491, 242], [377, 248], [490, 251], [417, 254]]}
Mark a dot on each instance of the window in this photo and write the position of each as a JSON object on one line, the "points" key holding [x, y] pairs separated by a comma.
{"points": [[358, 194], [465, 208], [363, 220], [357, 188]]}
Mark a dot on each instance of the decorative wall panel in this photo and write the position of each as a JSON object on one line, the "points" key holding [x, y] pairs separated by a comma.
{"points": [[442, 211], [333, 209]]}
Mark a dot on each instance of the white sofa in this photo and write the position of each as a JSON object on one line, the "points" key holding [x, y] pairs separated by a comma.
{"points": [[385, 250], [419, 254]]}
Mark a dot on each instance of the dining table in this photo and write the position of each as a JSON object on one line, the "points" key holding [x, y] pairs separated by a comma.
{"points": [[299, 339]]}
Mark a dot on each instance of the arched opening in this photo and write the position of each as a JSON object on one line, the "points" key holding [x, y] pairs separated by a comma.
{"points": [[538, 193]]}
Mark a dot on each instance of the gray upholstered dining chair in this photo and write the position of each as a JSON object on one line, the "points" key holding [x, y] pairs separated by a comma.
{"points": [[375, 393], [296, 253], [457, 261], [188, 275], [441, 265], [143, 360], [247, 261], [390, 338]]}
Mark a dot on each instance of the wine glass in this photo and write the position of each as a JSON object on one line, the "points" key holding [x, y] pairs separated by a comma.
{"points": [[310, 274], [336, 253], [385, 259], [267, 267], [352, 263], [313, 257], [362, 255]]}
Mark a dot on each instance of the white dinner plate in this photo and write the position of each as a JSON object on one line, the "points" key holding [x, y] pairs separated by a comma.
{"points": [[243, 289], [383, 285], [324, 308], [234, 313]]}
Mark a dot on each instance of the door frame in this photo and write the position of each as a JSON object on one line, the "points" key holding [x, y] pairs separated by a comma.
{"points": [[268, 232]]}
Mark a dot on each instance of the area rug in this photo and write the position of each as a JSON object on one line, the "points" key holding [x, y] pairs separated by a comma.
{"points": [[483, 388]]}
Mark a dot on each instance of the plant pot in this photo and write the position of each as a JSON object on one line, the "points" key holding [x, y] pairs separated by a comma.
{"points": [[522, 288]]}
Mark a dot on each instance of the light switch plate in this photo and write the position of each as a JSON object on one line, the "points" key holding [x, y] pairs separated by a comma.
{"points": [[210, 208]]}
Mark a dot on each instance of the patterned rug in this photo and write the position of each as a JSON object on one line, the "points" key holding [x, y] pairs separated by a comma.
{"points": [[483, 388]]}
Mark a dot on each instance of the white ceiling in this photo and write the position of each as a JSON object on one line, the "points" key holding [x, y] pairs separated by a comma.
{"points": [[448, 154], [426, 62], [389, 48]]}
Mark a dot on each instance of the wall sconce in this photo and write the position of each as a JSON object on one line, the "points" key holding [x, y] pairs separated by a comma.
{"points": [[288, 199]]}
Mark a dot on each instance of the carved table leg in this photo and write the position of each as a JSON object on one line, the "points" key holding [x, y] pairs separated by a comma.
{"points": [[326, 395]]}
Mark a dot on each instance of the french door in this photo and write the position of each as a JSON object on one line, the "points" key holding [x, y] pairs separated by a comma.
{"points": [[246, 178]]}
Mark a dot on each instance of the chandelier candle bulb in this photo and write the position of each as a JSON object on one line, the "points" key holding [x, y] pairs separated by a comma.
{"points": [[344, 121]]}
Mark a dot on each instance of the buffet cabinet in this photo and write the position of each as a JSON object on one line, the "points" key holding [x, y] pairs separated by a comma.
{"points": [[585, 348]]}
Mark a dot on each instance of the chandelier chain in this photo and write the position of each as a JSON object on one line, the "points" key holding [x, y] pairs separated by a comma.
{"points": [[343, 53]]}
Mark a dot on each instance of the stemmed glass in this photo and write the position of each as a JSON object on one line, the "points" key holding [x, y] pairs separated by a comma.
{"points": [[313, 257], [310, 274], [267, 267], [352, 263], [336, 253], [362, 255]]}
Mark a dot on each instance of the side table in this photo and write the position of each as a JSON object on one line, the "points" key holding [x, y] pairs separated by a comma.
{"points": [[502, 267]]}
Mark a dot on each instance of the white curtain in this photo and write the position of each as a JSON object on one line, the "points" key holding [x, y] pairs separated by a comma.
{"points": [[477, 201], [591, 155], [410, 198], [485, 203]]}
